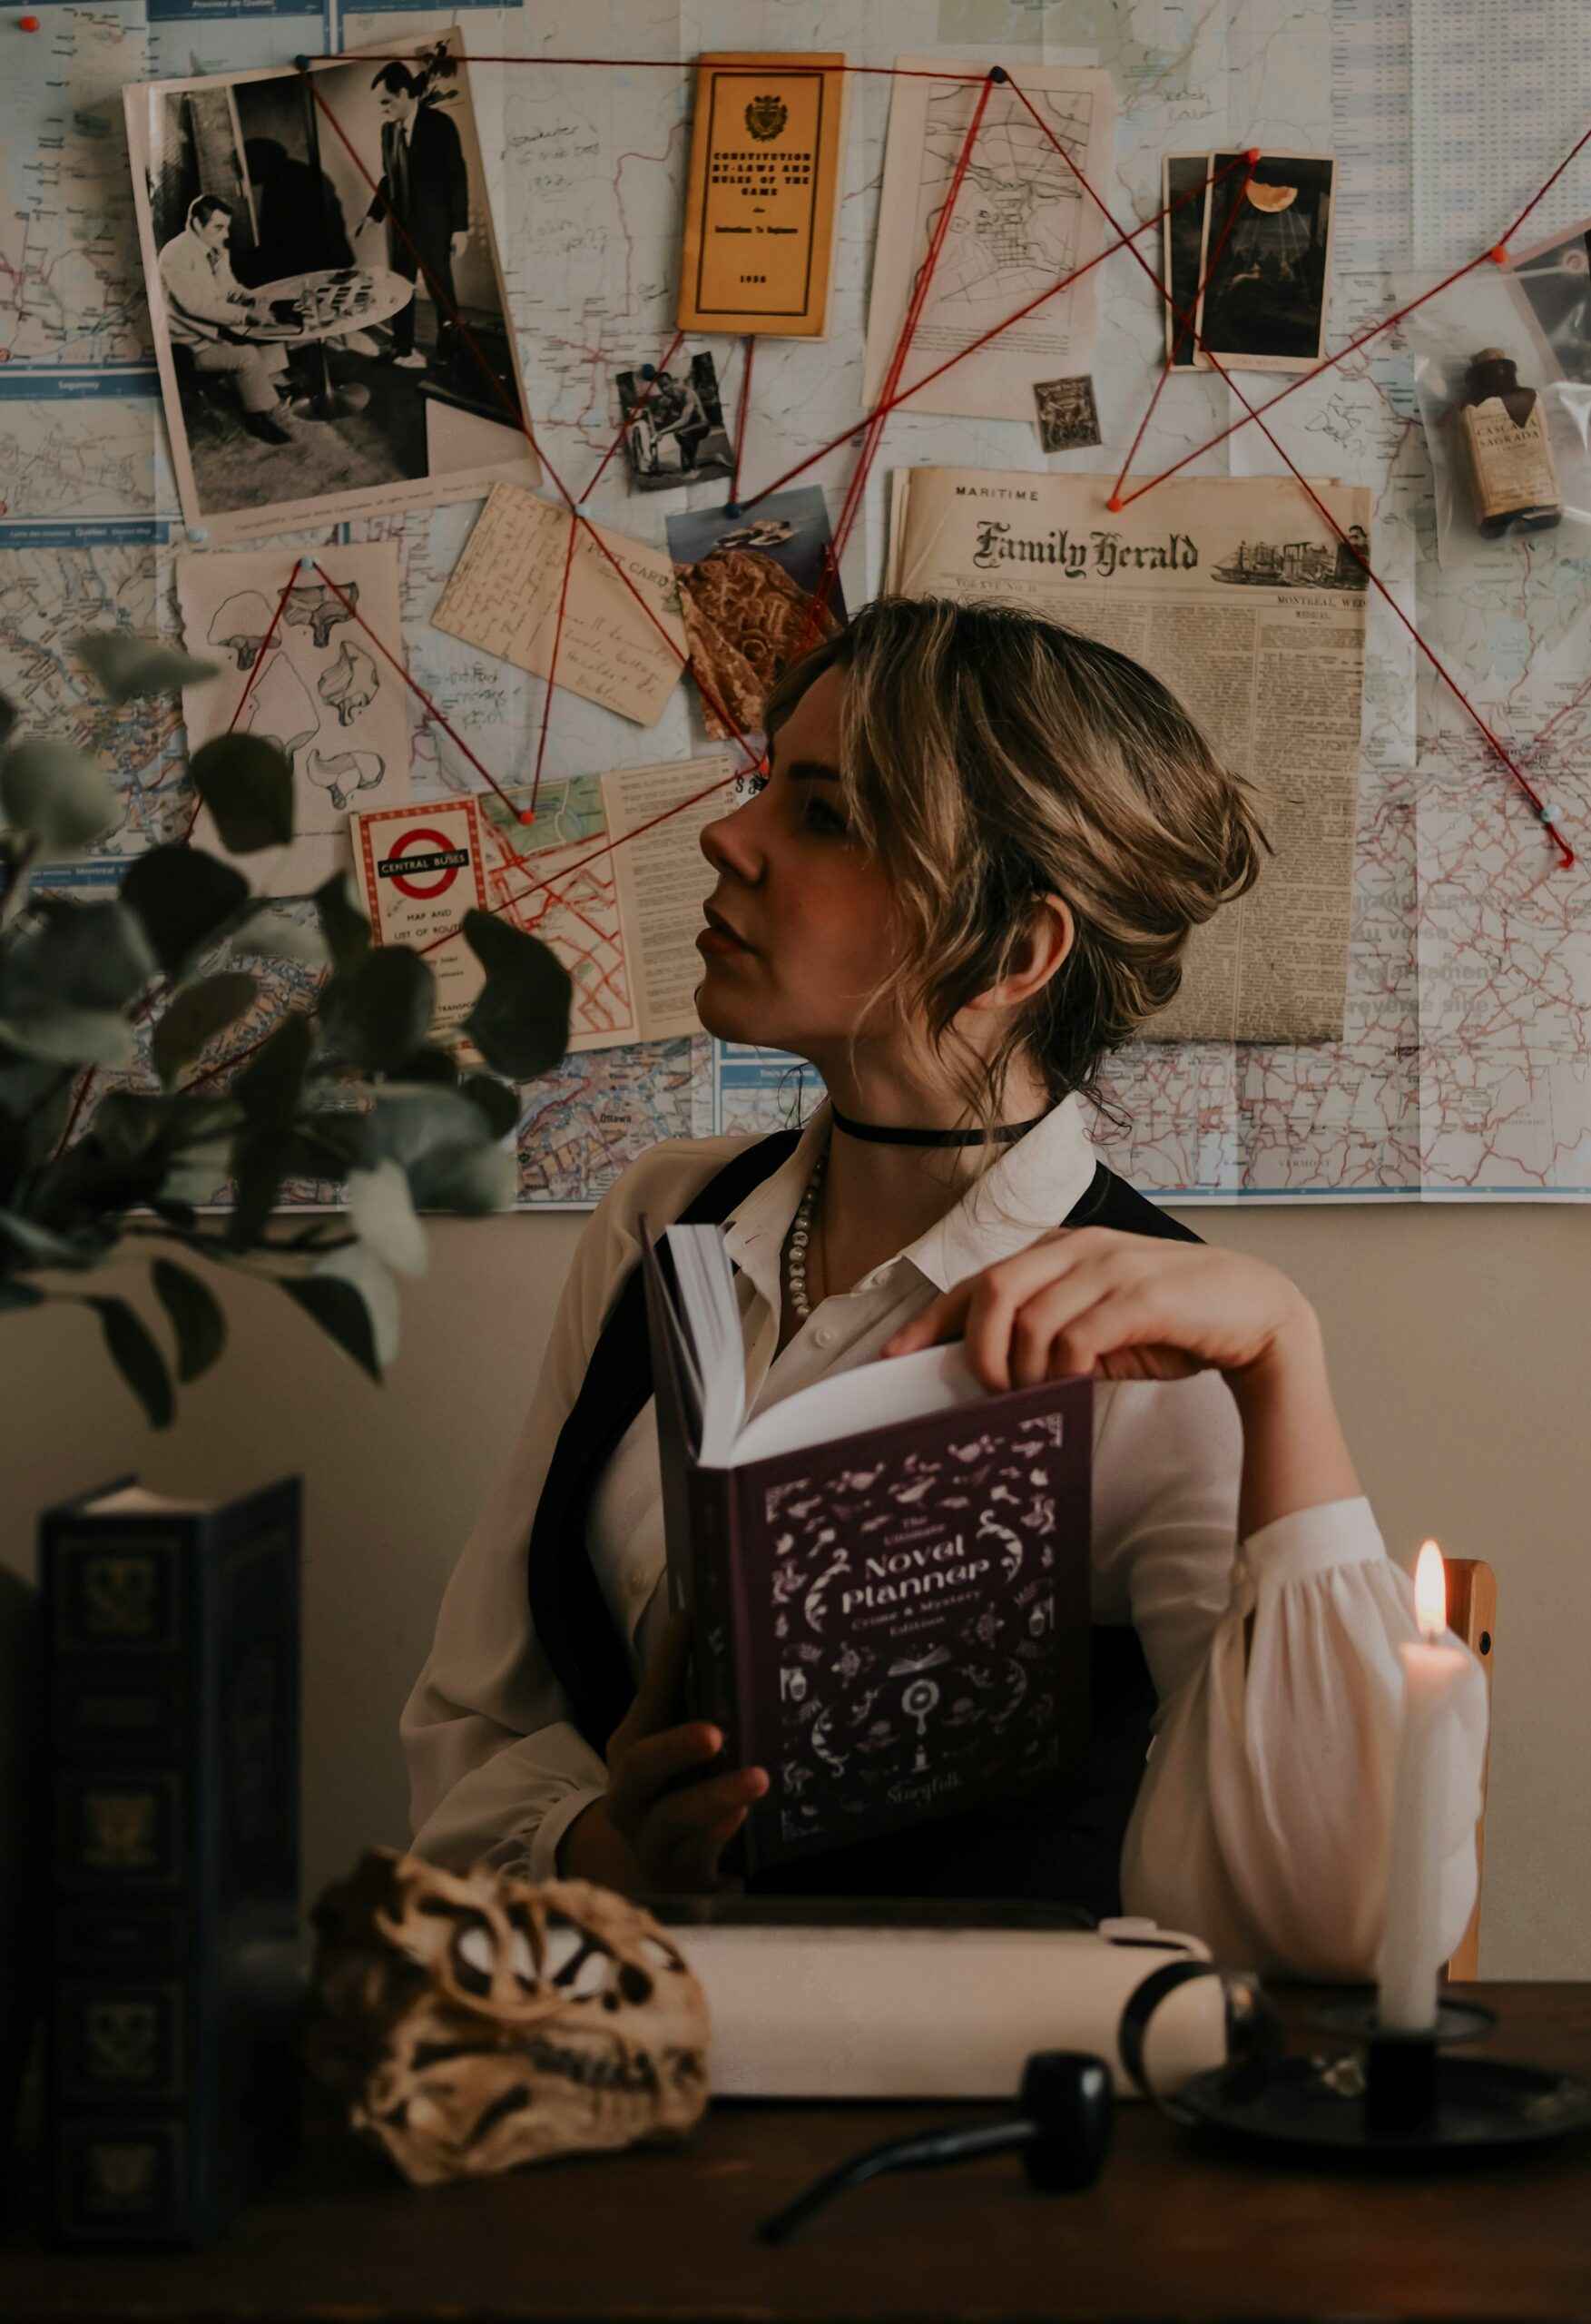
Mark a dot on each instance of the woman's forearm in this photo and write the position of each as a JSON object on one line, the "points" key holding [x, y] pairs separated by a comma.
{"points": [[591, 1849], [1294, 1453]]}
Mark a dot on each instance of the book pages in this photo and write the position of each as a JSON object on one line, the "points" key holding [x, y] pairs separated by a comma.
{"points": [[1239, 597]]}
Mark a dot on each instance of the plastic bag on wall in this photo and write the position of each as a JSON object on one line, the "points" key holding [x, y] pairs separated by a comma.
{"points": [[1509, 443]]}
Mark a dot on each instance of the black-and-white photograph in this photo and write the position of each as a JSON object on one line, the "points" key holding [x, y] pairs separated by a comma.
{"points": [[327, 306], [1266, 262], [676, 434], [1068, 417], [1186, 197], [1554, 278]]}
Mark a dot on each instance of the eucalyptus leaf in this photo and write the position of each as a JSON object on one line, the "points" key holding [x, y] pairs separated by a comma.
{"points": [[269, 1086], [261, 1161], [408, 1124], [379, 1012], [42, 1244], [272, 935], [469, 1179], [73, 1036], [195, 1014], [497, 1101], [341, 1313], [184, 900], [520, 1022], [125, 667], [137, 1358], [196, 1317], [247, 784], [362, 1271], [58, 797], [345, 927], [198, 1173], [93, 958], [383, 1217]]}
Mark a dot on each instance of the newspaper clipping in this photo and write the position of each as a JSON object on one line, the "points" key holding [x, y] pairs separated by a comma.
{"points": [[1239, 598]]}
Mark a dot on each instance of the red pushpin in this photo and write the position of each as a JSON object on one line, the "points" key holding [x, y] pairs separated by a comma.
{"points": [[1500, 257], [527, 814], [28, 24], [1254, 154], [1115, 504]]}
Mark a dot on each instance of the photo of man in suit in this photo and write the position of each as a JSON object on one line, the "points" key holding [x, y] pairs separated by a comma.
{"points": [[423, 195], [207, 312]]}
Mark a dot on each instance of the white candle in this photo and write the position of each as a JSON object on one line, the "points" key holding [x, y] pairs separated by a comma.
{"points": [[1411, 1944]]}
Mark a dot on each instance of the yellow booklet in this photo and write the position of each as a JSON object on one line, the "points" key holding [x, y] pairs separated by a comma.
{"points": [[762, 206]]}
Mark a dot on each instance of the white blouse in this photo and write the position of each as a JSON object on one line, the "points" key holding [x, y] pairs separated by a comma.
{"points": [[1261, 1823]]}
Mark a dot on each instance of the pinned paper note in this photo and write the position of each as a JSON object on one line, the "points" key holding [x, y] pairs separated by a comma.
{"points": [[621, 642]]}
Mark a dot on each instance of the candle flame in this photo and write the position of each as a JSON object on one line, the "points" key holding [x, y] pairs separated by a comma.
{"points": [[1430, 1590]]}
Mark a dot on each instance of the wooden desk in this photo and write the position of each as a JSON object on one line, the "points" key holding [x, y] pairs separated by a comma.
{"points": [[1173, 2229]]}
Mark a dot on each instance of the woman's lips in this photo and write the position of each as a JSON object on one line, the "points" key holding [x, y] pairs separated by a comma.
{"points": [[718, 936]]}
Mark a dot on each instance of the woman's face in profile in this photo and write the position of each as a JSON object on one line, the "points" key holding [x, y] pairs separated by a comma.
{"points": [[811, 909]]}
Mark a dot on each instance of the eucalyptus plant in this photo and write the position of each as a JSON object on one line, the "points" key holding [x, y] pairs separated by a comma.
{"points": [[351, 1088]]}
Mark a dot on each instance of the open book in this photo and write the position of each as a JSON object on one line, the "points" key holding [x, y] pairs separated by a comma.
{"points": [[887, 1573]]}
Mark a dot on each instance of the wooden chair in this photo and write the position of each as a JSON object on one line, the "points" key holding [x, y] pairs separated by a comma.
{"points": [[1472, 1611]]}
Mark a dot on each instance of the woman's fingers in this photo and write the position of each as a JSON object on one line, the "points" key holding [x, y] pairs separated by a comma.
{"points": [[682, 1817], [650, 1766], [659, 1698]]}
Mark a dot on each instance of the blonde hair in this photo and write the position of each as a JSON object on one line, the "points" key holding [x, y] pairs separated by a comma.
{"points": [[989, 757]]}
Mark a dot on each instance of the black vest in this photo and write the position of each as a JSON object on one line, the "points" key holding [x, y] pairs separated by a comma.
{"points": [[1063, 1845]]}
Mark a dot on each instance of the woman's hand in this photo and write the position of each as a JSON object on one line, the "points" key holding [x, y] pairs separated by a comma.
{"points": [[653, 1833], [1087, 1299]]}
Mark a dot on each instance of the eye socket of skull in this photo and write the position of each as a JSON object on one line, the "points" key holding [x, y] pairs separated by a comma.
{"points": [[474, 1951], [580, 1966], [522, 1949]]}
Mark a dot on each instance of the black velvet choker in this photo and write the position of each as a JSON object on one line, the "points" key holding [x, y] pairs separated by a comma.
{"points": [[888, 1134]]}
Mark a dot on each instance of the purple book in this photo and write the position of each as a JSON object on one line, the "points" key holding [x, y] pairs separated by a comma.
{"points": [[887, 1573]]}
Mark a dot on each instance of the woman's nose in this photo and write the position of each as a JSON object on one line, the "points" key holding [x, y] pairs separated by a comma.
{"points": [[730, 846]]}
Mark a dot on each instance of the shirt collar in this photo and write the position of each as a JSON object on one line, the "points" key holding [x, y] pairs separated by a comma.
{"points": [[1033, 1185]]}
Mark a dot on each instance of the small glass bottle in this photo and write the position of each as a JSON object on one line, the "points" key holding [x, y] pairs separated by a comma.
{"points": [[1507, 455]]}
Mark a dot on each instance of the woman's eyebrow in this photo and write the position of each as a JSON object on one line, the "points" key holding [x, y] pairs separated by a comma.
{"points": [[813, 770]]}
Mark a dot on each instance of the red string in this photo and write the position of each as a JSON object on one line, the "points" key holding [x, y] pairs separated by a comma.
{"points": [[1329, 363], [734, 481], [541, 747], [1181, 340], [817, 603], [1567, 855], [905, 394]]}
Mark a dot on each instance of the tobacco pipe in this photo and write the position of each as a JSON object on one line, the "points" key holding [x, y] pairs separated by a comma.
{"points": [[1061, 2131]]}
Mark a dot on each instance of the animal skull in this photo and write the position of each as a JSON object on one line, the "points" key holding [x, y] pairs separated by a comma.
{"points": [[477, 2022]]}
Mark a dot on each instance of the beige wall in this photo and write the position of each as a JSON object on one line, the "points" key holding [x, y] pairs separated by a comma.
{"points": [[1459, 1341]]}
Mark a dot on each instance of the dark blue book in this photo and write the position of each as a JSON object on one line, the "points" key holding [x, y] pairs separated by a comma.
{"points": [[171, 1708]]}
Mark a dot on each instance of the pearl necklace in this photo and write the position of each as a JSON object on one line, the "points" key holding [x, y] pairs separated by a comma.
{"points": [[799, 1236]]}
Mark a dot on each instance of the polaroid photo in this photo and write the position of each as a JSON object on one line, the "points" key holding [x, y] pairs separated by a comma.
{"points": [[1263, 306], [1184, 198], [747, 585], [1068, 417], [327, 306], [677, 433]]}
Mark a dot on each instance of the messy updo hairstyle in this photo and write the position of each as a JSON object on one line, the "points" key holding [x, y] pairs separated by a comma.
{"points": [[988, 757]]}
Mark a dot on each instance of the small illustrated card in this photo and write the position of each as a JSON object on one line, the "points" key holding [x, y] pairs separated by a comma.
{"points": [[304, 670], [420, 870], [623, 642], [1248, 260]]}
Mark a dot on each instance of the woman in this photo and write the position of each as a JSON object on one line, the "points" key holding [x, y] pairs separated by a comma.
{"points": [[967, 874]]}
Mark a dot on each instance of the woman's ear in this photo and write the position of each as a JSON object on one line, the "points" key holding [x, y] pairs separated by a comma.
{"points": [[1048, 937]]}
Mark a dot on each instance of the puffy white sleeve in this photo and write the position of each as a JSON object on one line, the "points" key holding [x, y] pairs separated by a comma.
{"points": [[498, 1768], [1262, 1821]]}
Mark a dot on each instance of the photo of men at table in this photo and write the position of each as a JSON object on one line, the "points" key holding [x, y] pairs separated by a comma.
{"points": [[324, 276]]}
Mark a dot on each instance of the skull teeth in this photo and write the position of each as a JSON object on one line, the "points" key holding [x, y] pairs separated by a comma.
{"points": [[590, 2070]]}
